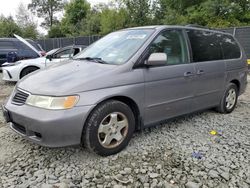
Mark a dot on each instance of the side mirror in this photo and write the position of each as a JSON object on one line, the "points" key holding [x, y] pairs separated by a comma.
{"points": [[49, 57], [157, 59]]}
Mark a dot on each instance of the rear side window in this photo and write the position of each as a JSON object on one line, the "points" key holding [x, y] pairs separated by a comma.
{"points": [[7, 45], [206, 46], [230, 48]]}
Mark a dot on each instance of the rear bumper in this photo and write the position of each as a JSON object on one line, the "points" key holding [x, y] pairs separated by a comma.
{"points": [[50, 128]]}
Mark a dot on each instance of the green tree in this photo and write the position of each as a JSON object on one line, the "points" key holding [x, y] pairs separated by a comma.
{"points": [[113, 19], [8, 27], [211, 13], [30, 31], [139, 11], [46, 9], [173, 11], [75, 13], [25, 21], [56, 32], [244, 13], [81, 19], [92, 24], [215, 13]]}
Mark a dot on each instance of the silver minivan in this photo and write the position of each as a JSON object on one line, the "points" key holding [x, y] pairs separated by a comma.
{"points": [[126, 81]]}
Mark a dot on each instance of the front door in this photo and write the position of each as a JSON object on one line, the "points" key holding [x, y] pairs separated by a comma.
{"points": [[169, 89]]}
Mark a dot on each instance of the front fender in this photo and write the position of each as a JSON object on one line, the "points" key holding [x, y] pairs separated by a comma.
{"points": [[134, 91]]}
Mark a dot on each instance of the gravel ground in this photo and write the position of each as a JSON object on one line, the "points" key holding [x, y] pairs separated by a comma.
{"points": [[180, 153]]}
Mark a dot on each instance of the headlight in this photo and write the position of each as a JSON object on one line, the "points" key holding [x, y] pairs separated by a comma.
{"points": [[54, 103]]}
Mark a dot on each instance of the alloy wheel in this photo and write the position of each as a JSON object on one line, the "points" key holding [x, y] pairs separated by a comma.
{"points": [[113, 130], [231, 99]]}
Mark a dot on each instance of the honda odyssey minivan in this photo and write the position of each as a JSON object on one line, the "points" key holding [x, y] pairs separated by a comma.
{"points": [[126, 81]]}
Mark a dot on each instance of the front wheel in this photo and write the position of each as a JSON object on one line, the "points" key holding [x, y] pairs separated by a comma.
{"points": [[229, 99], [109, 128]]}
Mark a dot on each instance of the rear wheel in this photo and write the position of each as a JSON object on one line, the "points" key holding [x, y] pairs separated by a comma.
{"points": [[109, 128], [27, 71], [229, 99]]}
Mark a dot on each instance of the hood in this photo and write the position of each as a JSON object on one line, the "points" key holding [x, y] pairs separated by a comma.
{"points": [[26, 61], [35, 60], [27, 44], [68, 77]]}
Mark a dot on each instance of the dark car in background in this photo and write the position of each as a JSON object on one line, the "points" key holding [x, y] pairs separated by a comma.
{"points": [[37, 46], [14, 45]]}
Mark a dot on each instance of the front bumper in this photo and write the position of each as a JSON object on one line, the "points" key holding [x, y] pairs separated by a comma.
{"points": [[11, 73], [50, 128]]}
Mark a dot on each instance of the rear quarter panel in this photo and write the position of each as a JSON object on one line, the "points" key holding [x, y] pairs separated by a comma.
{"points": [[237, 69]]}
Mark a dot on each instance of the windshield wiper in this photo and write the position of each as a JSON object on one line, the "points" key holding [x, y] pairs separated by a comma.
{"points": [[94, 59]]}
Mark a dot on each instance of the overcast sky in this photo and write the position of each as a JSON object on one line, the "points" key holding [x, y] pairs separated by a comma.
{"points": [[9, 7]]}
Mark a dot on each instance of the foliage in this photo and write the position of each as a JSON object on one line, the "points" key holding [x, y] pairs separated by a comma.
{"points": [[139, 11], [92, 24], [112, 19], [105, 18], [23, 16], [47, 9], [55, 32], [25, 21], [215, 13], [30, 31], [81, 19], [8, 27], [211, 13], [76, 12]]}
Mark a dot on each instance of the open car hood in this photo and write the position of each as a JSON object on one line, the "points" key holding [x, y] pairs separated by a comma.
{"points": [[27, 44]]}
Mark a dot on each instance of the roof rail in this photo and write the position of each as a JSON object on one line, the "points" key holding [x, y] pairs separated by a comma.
{"points": [[202, 27], [196, 25]]}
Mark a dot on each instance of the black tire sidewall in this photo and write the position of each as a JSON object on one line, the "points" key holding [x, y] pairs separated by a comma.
{"points": [[230, 86], [90, 135]]}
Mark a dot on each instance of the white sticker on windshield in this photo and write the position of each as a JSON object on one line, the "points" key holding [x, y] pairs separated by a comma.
{"points": [[136, 36]]}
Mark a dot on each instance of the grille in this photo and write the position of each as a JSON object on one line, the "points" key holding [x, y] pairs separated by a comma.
{"points": [[20, 97]]}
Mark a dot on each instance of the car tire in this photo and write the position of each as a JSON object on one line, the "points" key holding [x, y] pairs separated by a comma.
{"points": [[109, 128], [229, 99], [27, 71]]}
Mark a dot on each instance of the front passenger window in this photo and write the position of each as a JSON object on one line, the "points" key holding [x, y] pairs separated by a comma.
{"points": [[173, 44], [63, 54]]}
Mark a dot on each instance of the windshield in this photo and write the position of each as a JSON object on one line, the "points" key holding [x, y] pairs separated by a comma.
{"points": [[52, 51], [116, 48]]}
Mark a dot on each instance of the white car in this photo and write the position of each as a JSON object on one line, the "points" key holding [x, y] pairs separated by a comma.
{"points": [[15, 71]]}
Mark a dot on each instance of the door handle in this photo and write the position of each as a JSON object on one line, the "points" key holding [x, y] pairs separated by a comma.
{"points": [[200, 72], [188, 74]]}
